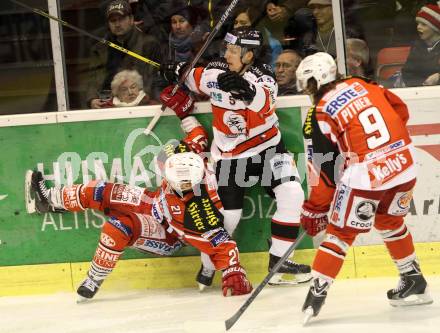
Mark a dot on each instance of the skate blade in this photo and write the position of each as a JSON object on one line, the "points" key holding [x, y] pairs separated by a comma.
{"points": [[303, 277], [83, 300], [202, 287], [417, 299], [308, 314], [279, 280], [30, 201]]}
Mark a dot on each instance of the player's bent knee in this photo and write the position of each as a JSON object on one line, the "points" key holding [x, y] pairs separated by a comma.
{"points": [[289, 198]]}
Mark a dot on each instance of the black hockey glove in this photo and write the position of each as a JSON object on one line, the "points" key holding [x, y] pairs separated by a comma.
{"points": [[173, 71], [235, 84]]}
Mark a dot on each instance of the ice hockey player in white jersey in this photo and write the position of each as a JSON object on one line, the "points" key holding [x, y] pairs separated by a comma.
{"points": [[247, 144]]}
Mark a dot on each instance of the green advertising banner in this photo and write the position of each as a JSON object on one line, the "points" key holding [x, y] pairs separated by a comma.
{"points": [[114, 150]]}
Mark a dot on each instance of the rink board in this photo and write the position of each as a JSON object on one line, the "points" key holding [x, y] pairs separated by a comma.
{"points": [[179, 272], [51, 253], [109, 149]]}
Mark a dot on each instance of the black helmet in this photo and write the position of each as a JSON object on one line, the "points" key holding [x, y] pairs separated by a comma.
{"points": [[247, 38]]}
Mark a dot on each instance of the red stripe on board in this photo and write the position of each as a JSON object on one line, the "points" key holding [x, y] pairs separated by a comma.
{"points": [[433, 150], [425, 129]]}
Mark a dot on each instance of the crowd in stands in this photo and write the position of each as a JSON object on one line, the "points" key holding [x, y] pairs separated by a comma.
{"points": [[174, 31]]}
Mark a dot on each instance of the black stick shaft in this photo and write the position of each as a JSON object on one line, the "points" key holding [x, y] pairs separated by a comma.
{"points": [[232, 320]]}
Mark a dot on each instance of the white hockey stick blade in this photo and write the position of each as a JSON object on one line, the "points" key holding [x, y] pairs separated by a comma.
{"points": [[213, 326], [30, 201]]}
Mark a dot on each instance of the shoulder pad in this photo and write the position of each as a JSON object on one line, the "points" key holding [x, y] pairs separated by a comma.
{"points": [[218, 64], [363, 78]]}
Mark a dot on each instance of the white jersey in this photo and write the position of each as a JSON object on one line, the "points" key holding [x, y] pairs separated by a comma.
{"points": [[240, 129]]}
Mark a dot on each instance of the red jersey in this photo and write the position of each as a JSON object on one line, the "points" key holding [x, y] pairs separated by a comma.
{"points": [[367, 124]]}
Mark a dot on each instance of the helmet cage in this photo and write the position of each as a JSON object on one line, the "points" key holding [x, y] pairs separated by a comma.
{"points": [[184, 168]]}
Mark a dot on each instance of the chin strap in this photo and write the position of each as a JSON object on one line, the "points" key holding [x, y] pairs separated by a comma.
{"points": [[244, 68]]}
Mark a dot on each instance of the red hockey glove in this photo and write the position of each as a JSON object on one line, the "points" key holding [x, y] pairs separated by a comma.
{"points": [[312, 221], [198, 145], [181, 103], [234, 281]]}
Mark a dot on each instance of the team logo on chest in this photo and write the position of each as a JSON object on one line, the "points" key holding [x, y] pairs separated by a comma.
{"points": [[235, 122], [201, 214]]}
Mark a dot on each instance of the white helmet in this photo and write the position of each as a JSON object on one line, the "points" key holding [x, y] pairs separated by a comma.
{"points": [[184, 168], [321, 66]]}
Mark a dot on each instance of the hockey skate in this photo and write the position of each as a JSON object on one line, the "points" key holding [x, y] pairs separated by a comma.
{"points": [[298, 273], [315, 299], [39, 198], [411, 290], [204, 278], [88, 289]]}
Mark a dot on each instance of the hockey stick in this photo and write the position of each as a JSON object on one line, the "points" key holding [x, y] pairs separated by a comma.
{"points": [[232, 320], [193, 62], [101, 40]]}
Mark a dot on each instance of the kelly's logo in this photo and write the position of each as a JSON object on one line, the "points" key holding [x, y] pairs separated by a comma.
{"points": [[385, 169]]}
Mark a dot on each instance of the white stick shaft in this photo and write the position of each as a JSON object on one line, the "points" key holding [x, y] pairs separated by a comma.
{"points": [[153, 121]]}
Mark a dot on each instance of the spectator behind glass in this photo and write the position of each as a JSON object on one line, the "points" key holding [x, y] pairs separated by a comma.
{"points": [[127, 89], [404, 25], [185, 36], [106, 62], [248, 17], [285, 72], [325, 36], [375, 18], [277, 16], [325, 40], [358, 58], [423, 64], [152, 16], [300, 32]]}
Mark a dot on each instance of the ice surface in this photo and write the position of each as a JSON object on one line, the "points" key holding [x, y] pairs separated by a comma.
{"points": [[356, 306]]}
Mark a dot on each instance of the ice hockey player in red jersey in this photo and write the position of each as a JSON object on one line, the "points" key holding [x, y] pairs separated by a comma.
{"points": [[365, 160], [185, 209], [247, 144]]}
